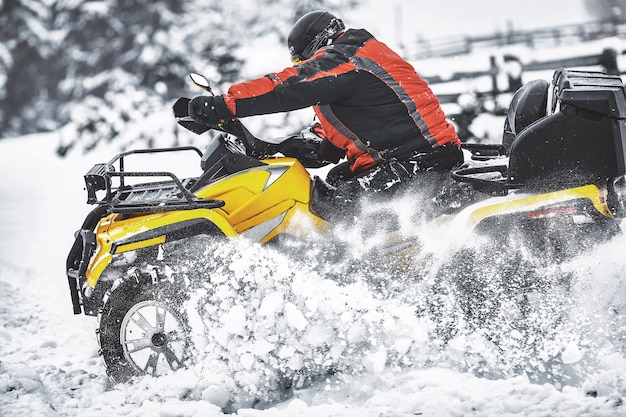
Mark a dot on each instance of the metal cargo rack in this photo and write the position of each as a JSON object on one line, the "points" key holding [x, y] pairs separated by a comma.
{"points": [[149, 197]]}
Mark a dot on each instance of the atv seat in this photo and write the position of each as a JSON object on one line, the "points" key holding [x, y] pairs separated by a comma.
{"points": [[528, 105], [581, 141], [569, 133]]}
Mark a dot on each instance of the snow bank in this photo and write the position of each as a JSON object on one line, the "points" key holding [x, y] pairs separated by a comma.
{"points": [[347, 337]]}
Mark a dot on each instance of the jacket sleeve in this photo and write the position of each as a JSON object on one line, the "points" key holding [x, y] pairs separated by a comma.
{"points": [[293, 88]]}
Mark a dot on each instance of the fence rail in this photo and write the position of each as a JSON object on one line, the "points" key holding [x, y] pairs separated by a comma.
{"points": [[504, 80], [554, 36], [607, 59]]}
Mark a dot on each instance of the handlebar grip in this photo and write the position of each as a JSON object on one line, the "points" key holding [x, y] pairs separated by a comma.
{"points": [[181, 107]]}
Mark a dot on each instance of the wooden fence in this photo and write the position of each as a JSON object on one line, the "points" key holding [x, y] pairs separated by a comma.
{"points": [[605, 58], [553, 36]]}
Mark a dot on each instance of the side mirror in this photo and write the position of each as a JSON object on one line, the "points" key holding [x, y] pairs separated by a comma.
{"points": [[201, 81]]}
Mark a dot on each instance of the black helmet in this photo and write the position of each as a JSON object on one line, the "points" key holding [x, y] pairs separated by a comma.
{"points": [[311, 32]]}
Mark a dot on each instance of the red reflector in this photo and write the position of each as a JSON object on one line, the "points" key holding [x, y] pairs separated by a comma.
{"points": [[560, 211]]}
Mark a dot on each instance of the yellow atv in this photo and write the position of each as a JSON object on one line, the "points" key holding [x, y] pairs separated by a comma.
{"points": [[560, 167]]}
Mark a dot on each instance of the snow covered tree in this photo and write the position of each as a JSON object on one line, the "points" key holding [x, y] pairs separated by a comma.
{"points": [[96, 67]]}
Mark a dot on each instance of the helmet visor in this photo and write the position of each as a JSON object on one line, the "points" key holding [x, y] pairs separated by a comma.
{"points": [[296, 59]]}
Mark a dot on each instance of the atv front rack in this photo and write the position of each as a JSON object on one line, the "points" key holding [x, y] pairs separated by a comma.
{"points": [[149, 197]]}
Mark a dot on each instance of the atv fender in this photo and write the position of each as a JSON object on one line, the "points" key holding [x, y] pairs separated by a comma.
{"points": [[119, 236]]}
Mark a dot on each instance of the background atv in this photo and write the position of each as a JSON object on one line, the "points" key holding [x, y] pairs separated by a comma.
{"points": [[562, 162]]}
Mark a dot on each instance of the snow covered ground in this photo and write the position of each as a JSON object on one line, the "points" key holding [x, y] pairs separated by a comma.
{"points": [[275, 317], [565, 357]]}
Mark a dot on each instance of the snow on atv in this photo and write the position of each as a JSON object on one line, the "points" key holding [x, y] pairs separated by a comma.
{"points": [[561, 162]]}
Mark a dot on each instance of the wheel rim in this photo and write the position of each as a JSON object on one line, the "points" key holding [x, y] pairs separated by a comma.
{"points": [[153, 338]]}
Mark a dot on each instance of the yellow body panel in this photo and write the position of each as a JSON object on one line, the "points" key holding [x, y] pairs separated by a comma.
{"points": [[271, 196], [113, 229], [247, 195], [516, 203]]}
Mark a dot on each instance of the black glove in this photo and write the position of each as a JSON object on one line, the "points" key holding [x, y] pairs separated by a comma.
{"points": [[209, 110], [311, 150], [303, 149], [325, 152], [329, 152]]}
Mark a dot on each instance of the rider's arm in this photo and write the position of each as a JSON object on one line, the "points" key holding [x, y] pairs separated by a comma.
{"points": [[293, 88]]}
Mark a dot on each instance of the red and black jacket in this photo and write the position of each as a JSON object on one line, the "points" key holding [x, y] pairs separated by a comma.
{"points": [[370, 102]]}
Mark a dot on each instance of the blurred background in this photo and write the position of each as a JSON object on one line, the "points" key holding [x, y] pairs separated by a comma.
{"points": [[107, 71]]}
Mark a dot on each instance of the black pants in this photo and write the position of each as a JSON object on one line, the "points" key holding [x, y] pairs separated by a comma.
{"points": [[428, 168], [390, 174]]}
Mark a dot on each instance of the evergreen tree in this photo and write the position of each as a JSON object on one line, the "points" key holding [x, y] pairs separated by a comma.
{"points": [[96, 67]]}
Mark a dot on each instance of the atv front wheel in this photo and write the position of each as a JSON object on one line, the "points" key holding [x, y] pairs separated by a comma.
{"points": [[143, 327]]}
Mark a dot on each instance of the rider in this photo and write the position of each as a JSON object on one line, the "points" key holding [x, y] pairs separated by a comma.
{"points": [[372, 107]]}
